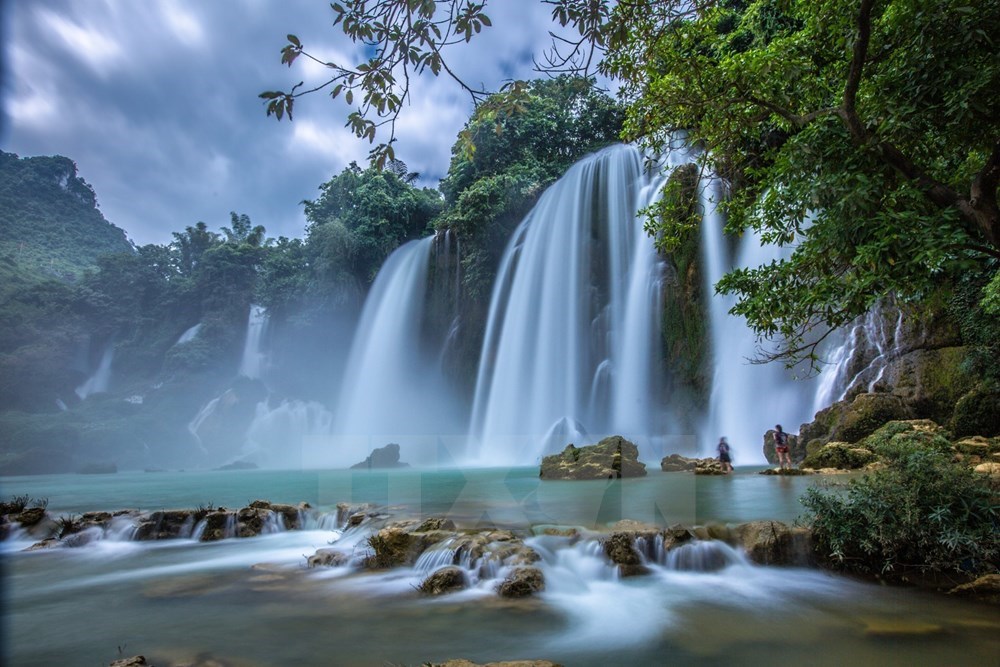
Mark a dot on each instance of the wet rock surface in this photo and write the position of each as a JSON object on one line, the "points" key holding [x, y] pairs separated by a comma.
{"points": [[611, 458], [382, 458], [522, 582]]}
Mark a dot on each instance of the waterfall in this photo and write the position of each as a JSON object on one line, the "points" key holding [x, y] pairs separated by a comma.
{"points": [[869, 344], [746, 399], [252, 364], [98, 382], [574, 315], [393, 389], [278, 436], [189, 335]]}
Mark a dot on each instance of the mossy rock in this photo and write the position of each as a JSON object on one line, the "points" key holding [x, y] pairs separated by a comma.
{"points": [[897, 438], [840, 455], [445, 580], [867, 413], [612, 457], [977, 445], [977, 412]]}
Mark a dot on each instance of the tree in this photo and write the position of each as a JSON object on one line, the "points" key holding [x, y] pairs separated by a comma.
{"points": [[863, 133]]}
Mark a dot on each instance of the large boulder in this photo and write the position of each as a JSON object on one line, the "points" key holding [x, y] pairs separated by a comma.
{"points": [[929, 381], [382, 457], [709, 467], [850, 421], [611, 458]]}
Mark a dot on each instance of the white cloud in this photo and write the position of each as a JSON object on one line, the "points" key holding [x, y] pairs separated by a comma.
{"points": [[90, 45], [184, 24]]}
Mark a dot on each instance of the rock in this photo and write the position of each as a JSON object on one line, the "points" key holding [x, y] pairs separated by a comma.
{"points": [[789, 472], [251, 521], [134, 661], [445, 580], [851, 421], [990, 468], [219, 525], [985, 589], [976, 446], [30, 516], [394, 545], [897, 627], [839, 455], [709, 467], [435, 523], [620, 550], [522, 582], [774, 543], [382, 457], [678, 463], [930, 381], [977, 412], [907, 434], [327, 558], [796, 447], [611, 458], [168, 524]]}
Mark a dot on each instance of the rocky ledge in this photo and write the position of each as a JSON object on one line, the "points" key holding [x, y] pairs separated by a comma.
{"points": [[611, 458]]}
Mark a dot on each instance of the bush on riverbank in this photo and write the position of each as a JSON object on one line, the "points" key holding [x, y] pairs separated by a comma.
{"points": [[922, 513]]}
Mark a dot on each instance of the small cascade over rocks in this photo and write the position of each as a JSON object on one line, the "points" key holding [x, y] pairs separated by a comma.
{"points": [[859, 362], [189, 334], [574, 316], [253, 360], [101, 379]]}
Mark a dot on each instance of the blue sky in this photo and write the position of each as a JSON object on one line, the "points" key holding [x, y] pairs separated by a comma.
{"points": [[156, 101]]}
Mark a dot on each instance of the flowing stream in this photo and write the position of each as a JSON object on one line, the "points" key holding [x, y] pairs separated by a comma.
{"points": [[253, 602]]}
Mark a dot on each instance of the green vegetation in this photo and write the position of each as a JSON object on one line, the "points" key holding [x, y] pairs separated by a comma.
{"points": [[51, 225], [921, 514]]}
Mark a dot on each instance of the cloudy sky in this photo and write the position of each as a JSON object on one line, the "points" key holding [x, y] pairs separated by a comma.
{"points": [[156, 101]]}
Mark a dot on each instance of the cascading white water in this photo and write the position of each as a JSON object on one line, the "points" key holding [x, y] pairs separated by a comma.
{"points": [[278, 435], [574, 315], [869, 343], [189, 334], [252, 364], [99, 381], [393, 389], [747, 399]]}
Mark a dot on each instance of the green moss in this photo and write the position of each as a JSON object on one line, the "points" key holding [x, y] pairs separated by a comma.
{"points": [[839, 455], [899, 439], [977, 412]]}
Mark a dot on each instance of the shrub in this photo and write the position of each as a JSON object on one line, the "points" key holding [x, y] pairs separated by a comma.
{"points": [[922, 513], [839, 455]]}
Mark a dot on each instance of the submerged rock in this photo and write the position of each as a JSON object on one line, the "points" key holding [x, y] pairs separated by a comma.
{"points": [[327, 558], [504, 663], [134, 661], [611, 458], [709, 467], [790, 472], [382, 457], [984, 589], [522, 582], [445, 580]]}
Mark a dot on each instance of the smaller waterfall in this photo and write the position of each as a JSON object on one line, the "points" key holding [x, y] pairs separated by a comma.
{"points": [[189, 335], [280, 437], [252, 365], [861, 359], [99, 381]]}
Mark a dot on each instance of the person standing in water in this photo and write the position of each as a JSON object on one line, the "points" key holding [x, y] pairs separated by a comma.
{"points": [[781, 448], [724, 457]]}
